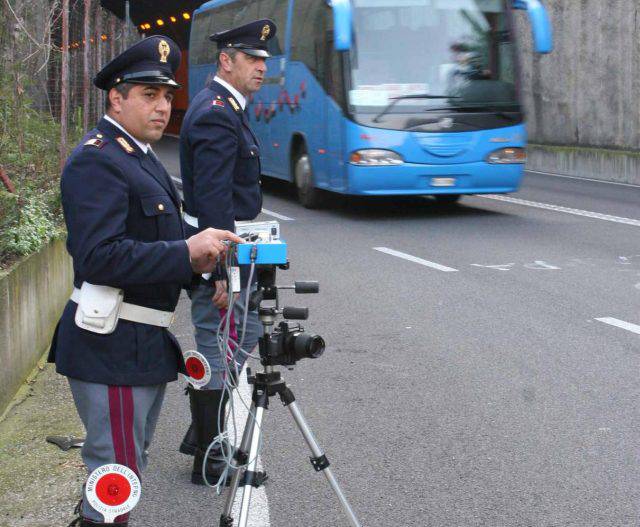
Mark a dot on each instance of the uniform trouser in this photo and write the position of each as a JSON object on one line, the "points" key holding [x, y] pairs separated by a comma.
{"points": [[120, 422], [206, 318]]}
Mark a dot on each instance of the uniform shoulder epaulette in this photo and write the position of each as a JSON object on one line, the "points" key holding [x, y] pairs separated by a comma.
{"points": [[217, 102], [125, 145], [98, 141]]}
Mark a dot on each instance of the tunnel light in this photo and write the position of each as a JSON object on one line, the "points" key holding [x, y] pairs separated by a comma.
{"points": [[173, 19], [186, 16], [160, 22]]}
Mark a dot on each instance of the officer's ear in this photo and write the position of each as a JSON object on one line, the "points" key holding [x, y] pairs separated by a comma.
{"points": [[117, 94], [226, 61], [115, 100]]}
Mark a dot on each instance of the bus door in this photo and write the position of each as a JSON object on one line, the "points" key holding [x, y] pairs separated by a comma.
{"points": [[332, 81], [279, 128]]}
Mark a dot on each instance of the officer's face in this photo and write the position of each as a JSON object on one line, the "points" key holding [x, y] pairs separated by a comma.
{"points": [[245, 72], [145, 112]]}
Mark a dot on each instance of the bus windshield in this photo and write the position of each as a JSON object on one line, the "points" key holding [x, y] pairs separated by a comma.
{"points": [[453, 55]]}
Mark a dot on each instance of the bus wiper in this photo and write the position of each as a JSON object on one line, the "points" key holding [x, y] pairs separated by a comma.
{"points": [[477, 109], [394, 101]]}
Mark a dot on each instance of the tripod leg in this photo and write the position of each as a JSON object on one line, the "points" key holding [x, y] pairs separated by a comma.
{"points": [[225, 519], [319, 460], [261, 402], [249, 452]]}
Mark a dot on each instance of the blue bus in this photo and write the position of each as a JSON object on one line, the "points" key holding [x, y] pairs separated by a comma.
{"points": [[384, 97]]}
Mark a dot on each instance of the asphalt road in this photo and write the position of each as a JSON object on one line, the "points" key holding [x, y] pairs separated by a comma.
{"points": [[481, 391]]}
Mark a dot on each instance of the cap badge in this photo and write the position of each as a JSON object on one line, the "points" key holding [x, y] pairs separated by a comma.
{"points": [[164, 49], [265, 32]]}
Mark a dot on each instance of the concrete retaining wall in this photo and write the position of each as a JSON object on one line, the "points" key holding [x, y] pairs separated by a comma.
{"points": [[594, 163], [585, 94], [32, 296]]}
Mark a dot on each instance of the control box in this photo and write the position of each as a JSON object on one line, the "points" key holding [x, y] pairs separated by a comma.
{"points": [[274, 252]]}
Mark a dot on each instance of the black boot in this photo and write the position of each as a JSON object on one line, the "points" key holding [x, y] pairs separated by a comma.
{"points": [[90, 523], [83, 522], [204, 408], [190, 442]]}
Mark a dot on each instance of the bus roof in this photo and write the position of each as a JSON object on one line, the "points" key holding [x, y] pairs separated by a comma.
{"points": [[212, 3]]}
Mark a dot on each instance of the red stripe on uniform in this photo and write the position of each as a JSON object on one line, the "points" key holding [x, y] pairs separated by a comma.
{"points": [[120, 424], [115, 416], [129, 440]]}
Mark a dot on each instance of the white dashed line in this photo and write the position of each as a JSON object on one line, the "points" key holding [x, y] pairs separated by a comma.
{"points": [[259, 509], [415, 259], [276, 215], [634, 328], [558, 208]]}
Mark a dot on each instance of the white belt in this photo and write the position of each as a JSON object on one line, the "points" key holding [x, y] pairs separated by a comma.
{"points": [[134, 313], [190, 220]]}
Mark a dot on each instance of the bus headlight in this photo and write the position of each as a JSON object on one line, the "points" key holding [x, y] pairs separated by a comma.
{"points": [[507, 156], [375, 157]]}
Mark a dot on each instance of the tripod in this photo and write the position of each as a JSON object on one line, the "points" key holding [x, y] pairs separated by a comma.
{"points": [[266, 385]]}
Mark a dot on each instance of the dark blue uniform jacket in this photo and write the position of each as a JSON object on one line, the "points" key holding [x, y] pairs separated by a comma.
{"points": [[124, 230], [219, 161]]}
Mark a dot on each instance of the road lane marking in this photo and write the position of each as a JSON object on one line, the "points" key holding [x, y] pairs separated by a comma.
{"points": [[415, 259], [259, 509], [558, 208], [634, 328], [276, 215], [583, 178]]}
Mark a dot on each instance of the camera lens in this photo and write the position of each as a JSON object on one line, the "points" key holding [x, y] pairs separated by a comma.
{"points": [[308, 346]]}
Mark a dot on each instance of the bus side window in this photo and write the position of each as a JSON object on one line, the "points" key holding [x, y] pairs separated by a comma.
{"points": [[331, 61], [307, 35], [312, 43], [276, 10]]}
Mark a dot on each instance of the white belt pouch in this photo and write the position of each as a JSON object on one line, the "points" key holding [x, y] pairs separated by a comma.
{"points": [[101, 306], [98, 307]]}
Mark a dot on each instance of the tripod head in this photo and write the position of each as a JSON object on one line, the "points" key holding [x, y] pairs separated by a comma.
{"points": [[284, 344]]}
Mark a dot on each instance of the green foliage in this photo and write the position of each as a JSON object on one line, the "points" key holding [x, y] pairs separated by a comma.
{"points": [[33, 225], [29, 142]]}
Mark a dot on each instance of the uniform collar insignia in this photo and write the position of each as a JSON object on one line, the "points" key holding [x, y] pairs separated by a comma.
{"points": [[234, 103], [125, 145], [97, 141]]}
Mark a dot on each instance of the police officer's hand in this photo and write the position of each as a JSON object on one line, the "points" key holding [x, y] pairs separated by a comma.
{"points": [[206, 247], [220, 298]]}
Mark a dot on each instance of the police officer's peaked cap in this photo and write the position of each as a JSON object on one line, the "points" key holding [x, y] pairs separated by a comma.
{"points": [[153, 60], [250, 38]]}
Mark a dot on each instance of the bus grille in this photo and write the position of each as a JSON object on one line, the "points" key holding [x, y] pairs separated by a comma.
{"points": [[444, 145]]}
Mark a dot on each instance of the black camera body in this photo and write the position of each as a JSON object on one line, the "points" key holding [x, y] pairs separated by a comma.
{"points": [[288, 344]]}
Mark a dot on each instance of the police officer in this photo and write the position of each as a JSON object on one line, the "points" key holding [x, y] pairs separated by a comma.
{"points": [[130, 261], [220, 165]]}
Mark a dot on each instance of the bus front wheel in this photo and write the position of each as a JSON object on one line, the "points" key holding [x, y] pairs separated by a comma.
{"points": [[308, 195]]}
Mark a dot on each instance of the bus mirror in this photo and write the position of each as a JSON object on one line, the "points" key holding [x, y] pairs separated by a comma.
{"points": [[540, 24], [342, 15]]}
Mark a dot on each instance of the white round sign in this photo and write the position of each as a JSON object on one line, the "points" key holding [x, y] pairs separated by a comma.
{"points": [[113, 490], [198, 369]]}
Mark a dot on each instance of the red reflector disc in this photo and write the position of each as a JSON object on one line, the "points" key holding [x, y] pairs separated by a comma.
{"points": [[195, 368], [113, 489]]}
